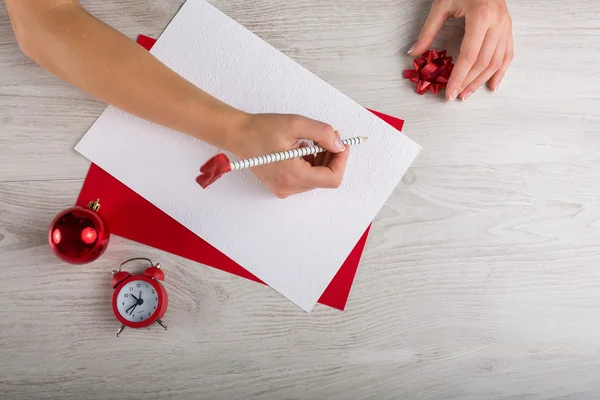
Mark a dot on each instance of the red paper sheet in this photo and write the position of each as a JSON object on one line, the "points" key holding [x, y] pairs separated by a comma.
{"points": [[131, 216]]}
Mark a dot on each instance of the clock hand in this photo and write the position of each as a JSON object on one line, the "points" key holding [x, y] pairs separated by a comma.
{"points": [[133, 295], [134, 306], [130, 307], [140, 294]]}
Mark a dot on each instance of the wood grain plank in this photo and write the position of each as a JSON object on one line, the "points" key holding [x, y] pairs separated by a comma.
{"points": [[360, 49], [477, 282]]}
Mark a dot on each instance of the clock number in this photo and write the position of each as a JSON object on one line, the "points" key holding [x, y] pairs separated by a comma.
{"points": [[126, 295], [155, 307], [141, 318], [131, 288], [146, 285], [138, 285], [123, 303], [156, 298], [149, 313], [152, 291]]}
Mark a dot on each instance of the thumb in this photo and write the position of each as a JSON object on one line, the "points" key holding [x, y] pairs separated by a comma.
{"points": [[438, 15], [324, 135]]}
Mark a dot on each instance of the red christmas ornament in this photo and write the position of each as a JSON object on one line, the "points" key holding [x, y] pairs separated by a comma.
{"points": [[432, 71], [79, 235]]}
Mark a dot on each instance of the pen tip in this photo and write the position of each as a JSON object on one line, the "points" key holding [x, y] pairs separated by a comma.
{"points": [[363, 138]]}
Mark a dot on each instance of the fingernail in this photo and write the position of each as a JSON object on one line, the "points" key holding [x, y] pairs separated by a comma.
{"points": [[497, 86], [453, 95], [411, 49], [466, 95], [338, 142]]}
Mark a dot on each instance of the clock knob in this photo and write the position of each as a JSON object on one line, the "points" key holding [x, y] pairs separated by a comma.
{"points": [[155, 272], [118, 277]]}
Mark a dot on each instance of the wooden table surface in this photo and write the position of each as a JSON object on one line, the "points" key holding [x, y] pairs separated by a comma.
{"points": [[480, 279]]}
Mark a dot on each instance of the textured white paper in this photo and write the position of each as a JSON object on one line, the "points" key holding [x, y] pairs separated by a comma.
{"points": [[295, 245]]}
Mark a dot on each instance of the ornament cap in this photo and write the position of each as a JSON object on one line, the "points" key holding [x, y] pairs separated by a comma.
{"points": [[94, 205], [155, 273], [118, 277]]}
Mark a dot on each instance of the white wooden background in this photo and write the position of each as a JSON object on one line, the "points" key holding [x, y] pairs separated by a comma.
{"points": [[481, 277]]}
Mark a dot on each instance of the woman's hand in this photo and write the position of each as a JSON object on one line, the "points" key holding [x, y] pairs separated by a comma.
{"points": [[63, 37], [487, 48], [262, 134]]}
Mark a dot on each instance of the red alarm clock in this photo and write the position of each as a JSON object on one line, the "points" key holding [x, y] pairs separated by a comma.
{"points": [[139, 300]]}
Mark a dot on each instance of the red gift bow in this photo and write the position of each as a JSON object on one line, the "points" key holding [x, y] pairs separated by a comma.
{"points": [[213, 169], [432, 71]]}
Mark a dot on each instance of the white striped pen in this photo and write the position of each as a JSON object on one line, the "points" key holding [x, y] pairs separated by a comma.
{"points": [[288, 154], [220, 164]]}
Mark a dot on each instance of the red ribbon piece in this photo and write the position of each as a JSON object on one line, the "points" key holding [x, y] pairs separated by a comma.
{"points": [[432, 71], [213, 169]]}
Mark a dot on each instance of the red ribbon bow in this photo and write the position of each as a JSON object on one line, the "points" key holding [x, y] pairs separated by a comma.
{"points": [[213, 169], [432, 71]]}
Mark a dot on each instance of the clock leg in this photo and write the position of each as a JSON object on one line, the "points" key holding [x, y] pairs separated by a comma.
{"points": [[120, 330], [161, 323]]}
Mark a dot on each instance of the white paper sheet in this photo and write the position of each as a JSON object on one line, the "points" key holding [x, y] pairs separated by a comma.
{"points": [[295, 245]]}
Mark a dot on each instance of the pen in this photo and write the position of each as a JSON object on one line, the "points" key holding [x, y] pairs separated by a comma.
{"points": [[220, 164]]}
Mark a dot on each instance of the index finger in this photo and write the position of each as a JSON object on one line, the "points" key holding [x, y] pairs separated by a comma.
{"points": [[329, 176], [475, 31]]}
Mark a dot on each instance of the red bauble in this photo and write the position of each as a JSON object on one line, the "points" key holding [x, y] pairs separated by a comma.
{"points": [[79, 235]]}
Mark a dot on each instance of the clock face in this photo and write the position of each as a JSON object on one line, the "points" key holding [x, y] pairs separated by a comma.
{"points": [[137, 301]]}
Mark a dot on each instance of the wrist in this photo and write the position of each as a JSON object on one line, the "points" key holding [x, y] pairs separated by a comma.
{"points": [[223, 127]]}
